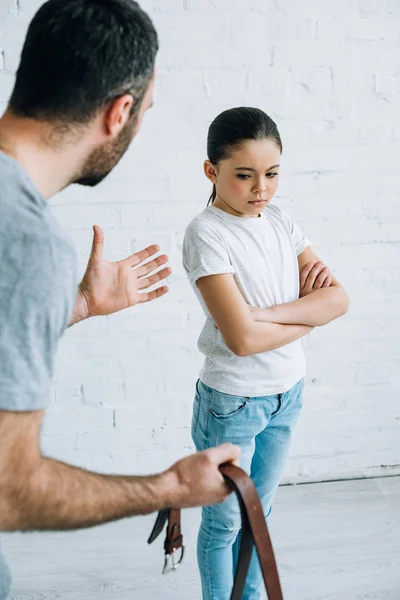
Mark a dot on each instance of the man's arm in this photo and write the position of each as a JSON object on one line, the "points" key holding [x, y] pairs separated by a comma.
{"points": [[242, 334], [38, 493], [316, 307], [108, 287]]}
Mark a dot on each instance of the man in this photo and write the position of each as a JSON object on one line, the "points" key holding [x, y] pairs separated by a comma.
{"points": [[83, 85]]}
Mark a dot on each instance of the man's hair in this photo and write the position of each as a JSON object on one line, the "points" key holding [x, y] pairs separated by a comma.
{"points": [[80, 54]]}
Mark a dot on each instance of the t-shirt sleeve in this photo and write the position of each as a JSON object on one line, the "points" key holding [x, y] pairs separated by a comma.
{"points": [[300, 241], [34, 311], [204, 252]]}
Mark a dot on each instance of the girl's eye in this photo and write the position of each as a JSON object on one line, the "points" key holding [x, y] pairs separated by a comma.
{"points": [[268, 175]]}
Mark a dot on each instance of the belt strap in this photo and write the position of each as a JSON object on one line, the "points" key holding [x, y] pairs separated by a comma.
{"points": [[254, 532]]}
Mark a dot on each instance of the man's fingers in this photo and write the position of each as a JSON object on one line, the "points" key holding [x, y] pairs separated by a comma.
{"points": [[151, 266], [149, 281], [149, 296], [96, 253], [135, 259], [224, 453]]}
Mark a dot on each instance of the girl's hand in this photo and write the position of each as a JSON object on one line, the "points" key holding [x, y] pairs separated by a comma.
{"points": [[314, 276]]}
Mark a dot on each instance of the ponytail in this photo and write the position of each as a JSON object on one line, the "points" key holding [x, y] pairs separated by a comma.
{"points": [[213, 195]]}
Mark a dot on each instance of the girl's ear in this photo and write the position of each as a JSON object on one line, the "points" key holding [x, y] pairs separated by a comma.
{"points": [[210, 171]]}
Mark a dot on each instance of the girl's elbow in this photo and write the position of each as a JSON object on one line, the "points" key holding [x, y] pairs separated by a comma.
{"points": [[340, 304], [239, 349], [243, 351], [344, 304], [341, 309], [239, 346]]}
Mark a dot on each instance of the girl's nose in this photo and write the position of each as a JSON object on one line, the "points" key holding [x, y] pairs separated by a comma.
{"points": [[260, 187]]}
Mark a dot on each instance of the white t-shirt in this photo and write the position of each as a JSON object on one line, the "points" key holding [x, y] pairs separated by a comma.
{"points": [[261, 253]]}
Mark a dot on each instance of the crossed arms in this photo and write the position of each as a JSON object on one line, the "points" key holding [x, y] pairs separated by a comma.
{"points": [[249, 330]]}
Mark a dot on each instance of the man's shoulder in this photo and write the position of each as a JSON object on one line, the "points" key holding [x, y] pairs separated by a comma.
{"points": [[34, 250], [24, 211], [36, 233]]}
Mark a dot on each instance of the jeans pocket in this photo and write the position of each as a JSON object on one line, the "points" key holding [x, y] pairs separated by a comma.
{"points": [[226, 406]]}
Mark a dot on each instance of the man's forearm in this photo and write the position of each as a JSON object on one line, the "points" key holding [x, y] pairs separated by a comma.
{"points": [[316, 309], [59, 496]]}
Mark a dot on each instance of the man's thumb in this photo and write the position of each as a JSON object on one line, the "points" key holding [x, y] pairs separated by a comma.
{"points": [[98, 244]]}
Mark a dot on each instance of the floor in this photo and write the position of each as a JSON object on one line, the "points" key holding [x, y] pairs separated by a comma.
{"points": [[333, 541]]}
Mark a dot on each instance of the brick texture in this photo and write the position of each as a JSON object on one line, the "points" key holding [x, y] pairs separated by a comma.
{"points": [[328, 72]]}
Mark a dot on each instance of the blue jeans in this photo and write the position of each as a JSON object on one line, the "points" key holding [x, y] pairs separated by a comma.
{"points": [[262, 427]]}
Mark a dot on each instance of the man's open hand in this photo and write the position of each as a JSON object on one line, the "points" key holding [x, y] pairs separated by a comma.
{"points": [[108, 287]]}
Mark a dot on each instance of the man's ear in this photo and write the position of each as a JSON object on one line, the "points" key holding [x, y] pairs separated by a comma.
{"points": [[210, 171], [117, 114]]}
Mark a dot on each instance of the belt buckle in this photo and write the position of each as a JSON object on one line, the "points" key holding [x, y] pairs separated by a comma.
{"points": [[170, 564]]}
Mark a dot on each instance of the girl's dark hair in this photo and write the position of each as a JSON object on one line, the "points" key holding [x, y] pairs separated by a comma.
{"points": [[234, 126], [80, 54]]}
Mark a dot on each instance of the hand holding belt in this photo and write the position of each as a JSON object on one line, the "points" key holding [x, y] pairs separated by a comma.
{"points": [[254, 532]]}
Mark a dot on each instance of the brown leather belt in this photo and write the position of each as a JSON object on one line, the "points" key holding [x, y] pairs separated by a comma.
{"points": [[254, 533]]}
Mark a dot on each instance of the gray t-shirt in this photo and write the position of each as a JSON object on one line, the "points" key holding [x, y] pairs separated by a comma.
{"points": [[37, 293]]}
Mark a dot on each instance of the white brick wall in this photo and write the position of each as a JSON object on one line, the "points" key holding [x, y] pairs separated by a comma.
{"points": [[328, 72]]}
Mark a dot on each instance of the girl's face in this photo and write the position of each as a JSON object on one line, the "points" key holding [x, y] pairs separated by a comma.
{"points": [[246, 181]]}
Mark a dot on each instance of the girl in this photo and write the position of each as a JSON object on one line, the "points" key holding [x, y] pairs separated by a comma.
{"points": [[243, 257]]}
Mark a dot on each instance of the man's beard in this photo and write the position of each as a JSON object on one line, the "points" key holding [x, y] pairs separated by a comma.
{"points": [[102, 160]]}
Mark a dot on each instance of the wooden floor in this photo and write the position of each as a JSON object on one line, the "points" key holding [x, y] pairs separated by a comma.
{"points": [[334, 541]]}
